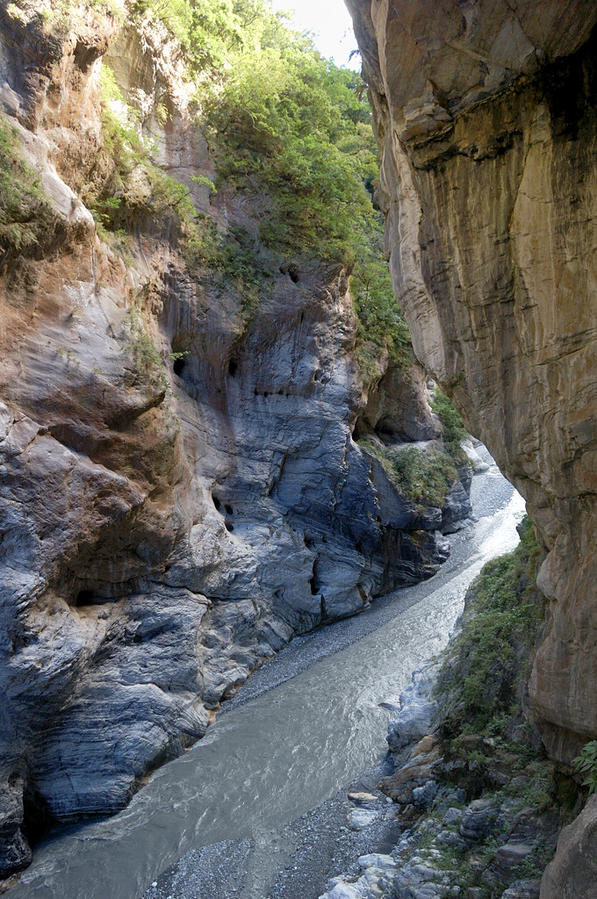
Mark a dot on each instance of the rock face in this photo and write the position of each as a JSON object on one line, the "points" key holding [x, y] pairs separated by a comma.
{"points": [[486, 118], [573, 872], [180, 491]]}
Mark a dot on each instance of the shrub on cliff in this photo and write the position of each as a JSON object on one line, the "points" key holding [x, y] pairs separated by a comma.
{"points": [[453, 426], [482, 680], [286, 124], [424, 477], [26, 214]]}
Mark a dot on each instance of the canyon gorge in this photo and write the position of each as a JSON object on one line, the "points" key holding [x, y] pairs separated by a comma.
{"points": [[181, 490], [206, 446]]}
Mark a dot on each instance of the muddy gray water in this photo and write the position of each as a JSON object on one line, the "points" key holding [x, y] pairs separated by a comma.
{"points": [[306, 725]]}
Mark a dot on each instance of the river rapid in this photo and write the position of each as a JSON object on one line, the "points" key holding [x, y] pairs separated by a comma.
{"points": [[302, 729]]}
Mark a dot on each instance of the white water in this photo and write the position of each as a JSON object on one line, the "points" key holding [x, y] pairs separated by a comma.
{"points": [[269, 761]]}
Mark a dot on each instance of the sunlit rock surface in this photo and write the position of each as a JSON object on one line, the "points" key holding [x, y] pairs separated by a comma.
{"points": [[486, 117]]}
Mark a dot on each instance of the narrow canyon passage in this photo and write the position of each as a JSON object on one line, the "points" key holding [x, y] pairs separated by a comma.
{"points": [[268, 760], [251, 305]]}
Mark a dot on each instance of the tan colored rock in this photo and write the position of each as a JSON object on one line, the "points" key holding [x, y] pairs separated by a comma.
{"points": [[485, 114], [573, 872], [416, 771]]}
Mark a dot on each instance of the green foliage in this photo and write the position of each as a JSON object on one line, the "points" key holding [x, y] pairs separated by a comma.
{"points": [[425, 478], [484, 672], [290, 126], [207, 30], [291, 122], [136, 187], [231, 257], [55, 16], [381, 327], [205, 181], [453, 426], [585, 764], [26, 215], [286, 126], [147, 362]]}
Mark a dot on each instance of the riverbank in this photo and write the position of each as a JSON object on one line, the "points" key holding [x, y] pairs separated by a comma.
{"points": [[319, 844], [254, 798], [479, 804]]}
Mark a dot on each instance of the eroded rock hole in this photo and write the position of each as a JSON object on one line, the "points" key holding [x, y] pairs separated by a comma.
{"points": [[314, 580], [85, 598], [232, 368], [179, 366], [229, 526], [229, 510], [217, 503], [37, 817]]}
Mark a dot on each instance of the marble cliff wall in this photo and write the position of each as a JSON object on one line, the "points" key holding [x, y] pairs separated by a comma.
{"points": [[486, 117], [166, 523]]}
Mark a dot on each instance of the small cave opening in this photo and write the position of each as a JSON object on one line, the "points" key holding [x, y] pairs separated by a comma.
{"points": [[232, 368], [314, 580], [360, 430], [85, 597], [37, 817], [179, 366], [217, 503], [229, 526], [291, 269], [228, 509]]}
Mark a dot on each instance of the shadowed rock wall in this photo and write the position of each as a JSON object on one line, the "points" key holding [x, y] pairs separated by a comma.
{"points": [[486, 118]]}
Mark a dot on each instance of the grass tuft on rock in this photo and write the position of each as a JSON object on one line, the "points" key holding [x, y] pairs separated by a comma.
{"points": [[424, 477]]}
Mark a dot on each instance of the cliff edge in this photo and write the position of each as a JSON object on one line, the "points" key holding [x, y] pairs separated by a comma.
{"points": [[485, 113]]}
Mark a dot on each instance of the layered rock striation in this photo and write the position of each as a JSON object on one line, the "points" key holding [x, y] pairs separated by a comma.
{"points": [[486, 118], [181, 492]]}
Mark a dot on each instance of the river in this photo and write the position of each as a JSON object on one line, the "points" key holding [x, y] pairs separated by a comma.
{"points": [[302, 728]]}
